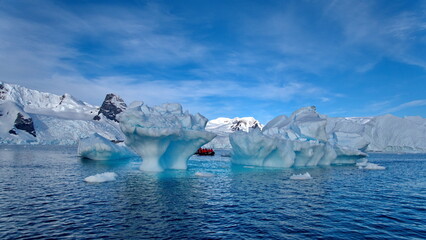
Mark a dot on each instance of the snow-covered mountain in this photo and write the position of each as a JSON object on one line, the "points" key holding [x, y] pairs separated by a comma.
{"points": [[225, 126], [31, 116], [36, 102]]}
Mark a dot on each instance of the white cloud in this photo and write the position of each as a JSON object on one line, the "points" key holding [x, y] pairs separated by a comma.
{"points": [[41, 38]]}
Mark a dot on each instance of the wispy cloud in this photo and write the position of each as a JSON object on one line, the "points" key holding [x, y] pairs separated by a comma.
{"points": [[54, 39], [265, 55], [336, 34], [415, 103]]}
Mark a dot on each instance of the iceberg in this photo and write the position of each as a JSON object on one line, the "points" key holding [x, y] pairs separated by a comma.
{"points": [[164, 136], [305, 176], [296, 141], [101, 177], [97, 147], [386, 133], [370, 166]]}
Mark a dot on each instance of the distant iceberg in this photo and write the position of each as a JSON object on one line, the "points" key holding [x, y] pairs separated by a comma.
{"points": [[164, 136], [297, 141], [305, 176], [101, 177], [370, 166], [97, 147]]}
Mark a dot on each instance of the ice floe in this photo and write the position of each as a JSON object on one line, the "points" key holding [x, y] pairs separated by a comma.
{"points": [[101, 177]]}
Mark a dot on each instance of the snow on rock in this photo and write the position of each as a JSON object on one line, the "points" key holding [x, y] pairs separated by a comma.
{"points": [[297, 141], [305, 176], [111, 107], [164, 136], [101, 177], [222, 127], [16, 126], [25, 123], [97, 147]]}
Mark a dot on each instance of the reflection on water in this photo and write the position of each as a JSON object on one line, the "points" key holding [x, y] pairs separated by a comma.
{"points": [[43, 195]]}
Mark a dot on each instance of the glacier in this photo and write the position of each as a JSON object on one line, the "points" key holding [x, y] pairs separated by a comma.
{"points": [[164, 136], [296, 141], [96, 147]]}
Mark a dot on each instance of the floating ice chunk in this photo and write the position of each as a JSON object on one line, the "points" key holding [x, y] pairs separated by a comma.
{"points": [[248, 166], [371, 166], [164, 136], [305, 176], [204, 174], [101, 177], [97, 147]]}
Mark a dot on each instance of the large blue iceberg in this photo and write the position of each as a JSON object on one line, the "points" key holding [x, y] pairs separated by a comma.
{"points": [[164, 136], [296, 141]]}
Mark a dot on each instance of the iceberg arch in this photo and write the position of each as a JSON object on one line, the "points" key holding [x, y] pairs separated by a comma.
{"points": [[164, 136]]}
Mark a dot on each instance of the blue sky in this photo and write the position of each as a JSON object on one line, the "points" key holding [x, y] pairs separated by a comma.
{"points": [[223, 58]]}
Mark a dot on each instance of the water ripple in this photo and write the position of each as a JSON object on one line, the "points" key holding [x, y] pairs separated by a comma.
{"points": [[42, 195]]}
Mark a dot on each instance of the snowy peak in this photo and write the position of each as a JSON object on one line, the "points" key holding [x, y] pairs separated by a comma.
{"points": [[225, 126], [111, 107], [33, 101], [228, 125]]}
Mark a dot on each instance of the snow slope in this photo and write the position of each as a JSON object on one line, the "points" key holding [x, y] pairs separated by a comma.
{"points": [[33, 101], [222, 127], [56, 119]]}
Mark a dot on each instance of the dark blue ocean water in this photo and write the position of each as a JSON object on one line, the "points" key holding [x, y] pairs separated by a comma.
{"points": [[43, 195]]}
